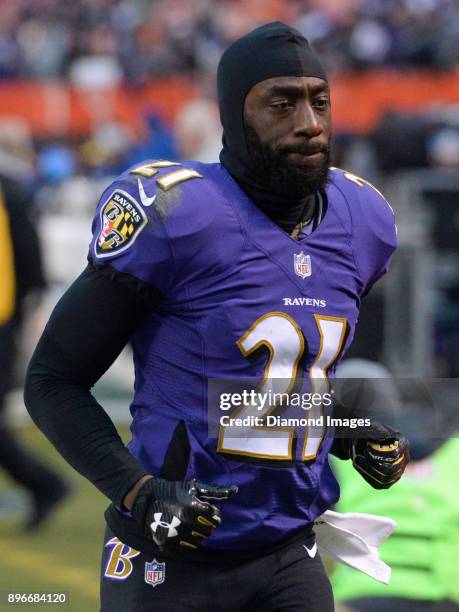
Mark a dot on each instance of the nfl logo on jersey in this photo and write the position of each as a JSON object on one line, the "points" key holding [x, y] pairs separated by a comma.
{"points": [[155, 573], [302, 264]]}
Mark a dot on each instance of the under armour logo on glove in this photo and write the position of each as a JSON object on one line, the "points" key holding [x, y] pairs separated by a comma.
{"points": [[171, 527], [179, 514]]}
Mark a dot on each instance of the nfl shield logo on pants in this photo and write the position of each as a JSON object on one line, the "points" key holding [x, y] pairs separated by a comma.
{"points": [[302, 264], [155, 573]]}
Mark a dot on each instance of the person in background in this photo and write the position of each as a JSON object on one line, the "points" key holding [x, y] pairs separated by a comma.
{"points": [[198, 131], [422, 551], [21, 276]]}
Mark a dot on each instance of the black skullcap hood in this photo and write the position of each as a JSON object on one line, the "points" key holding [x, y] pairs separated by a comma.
{"points": [[272, 50]]}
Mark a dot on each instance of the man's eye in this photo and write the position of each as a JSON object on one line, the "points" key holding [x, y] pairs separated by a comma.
{"points": [[322, 103], [282, 104]]}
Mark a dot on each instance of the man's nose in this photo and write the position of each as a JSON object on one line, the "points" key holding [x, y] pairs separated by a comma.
{"points": [[306, 122]]}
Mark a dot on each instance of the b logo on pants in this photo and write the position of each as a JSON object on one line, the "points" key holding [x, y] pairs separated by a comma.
{"points": [[119, 565]]}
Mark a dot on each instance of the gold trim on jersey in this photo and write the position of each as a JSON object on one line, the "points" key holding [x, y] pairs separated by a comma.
{"points": [[167, 181], [146, 170], [325, 370], [150, 169], [358, 180], [269, 346]]}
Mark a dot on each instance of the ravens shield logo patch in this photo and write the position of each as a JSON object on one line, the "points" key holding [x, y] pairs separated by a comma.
{"points": [[121, 221]]}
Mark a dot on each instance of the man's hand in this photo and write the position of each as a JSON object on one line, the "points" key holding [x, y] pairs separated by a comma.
{"points": [[178, 514], [381, 457]]}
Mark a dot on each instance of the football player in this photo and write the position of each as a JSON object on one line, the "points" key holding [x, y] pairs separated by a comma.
{"points": [[249, 268]]}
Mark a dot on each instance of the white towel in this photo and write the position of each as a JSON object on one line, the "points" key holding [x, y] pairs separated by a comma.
{"points": [[353, 539]]}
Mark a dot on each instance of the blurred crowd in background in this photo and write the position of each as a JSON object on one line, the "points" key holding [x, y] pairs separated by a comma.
{"points": [[109, 43], [135, 40]]}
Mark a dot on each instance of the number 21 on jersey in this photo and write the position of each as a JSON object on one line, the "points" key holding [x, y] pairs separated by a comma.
{"points": [[282, 336]]}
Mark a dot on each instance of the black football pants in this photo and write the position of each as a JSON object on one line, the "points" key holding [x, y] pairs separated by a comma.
{"points": [[20, 464], [288, 580]]}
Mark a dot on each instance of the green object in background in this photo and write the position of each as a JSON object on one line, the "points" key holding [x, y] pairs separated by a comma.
{"points": [[423, 551]]}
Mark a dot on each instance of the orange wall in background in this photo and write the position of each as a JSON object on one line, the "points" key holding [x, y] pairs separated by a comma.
{"points": [[359, 100], [53, 108]]}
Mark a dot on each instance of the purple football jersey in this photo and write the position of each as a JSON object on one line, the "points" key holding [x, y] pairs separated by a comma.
{"points": [[242, 299]]}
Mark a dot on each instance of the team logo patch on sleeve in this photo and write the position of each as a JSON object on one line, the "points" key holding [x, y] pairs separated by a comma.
{"points": [[121, 221]]}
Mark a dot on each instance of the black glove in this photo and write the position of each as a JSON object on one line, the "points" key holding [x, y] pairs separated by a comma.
{"points": [[381, 457], [177, 514], [380, 453]]}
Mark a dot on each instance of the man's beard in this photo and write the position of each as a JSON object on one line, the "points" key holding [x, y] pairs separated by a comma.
{"points": [[281, 176]]}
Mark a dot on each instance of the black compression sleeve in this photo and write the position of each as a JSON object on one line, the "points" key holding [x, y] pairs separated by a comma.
{"points": [[87, 330]]}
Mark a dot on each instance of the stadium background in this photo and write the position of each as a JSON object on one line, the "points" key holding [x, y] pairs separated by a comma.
{"points": [[88, 88]]}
